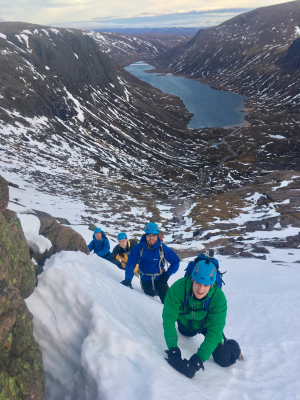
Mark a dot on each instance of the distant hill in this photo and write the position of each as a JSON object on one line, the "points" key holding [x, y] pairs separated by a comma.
{"points": [[182, 31], [128, 48]]}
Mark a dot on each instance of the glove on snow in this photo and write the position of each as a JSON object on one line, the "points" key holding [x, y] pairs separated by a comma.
{"points": [[189, 368], [174, 357], [164, 277], [127, 282]]}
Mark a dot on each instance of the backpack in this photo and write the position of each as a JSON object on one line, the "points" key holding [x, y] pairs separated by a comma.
{"points": [[189, 270]]}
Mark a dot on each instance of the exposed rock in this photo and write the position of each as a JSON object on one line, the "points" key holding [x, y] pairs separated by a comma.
{"points": [[61, 237], [263, 201], [246, 254], [225, 226], [217, 243], [257, 249], [22, 375], [197, 233], [92, 227], [186, 253], [12, 184], [4, 196], [63, 221], [265, 224], [228, 251]]}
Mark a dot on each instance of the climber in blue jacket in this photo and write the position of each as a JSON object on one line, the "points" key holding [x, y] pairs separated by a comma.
{"points": [[152, 256], [100, 244]]}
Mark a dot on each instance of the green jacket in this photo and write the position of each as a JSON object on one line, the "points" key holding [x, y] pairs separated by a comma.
{"points": [[213, 320]]}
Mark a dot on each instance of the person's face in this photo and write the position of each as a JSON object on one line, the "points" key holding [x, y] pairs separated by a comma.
{"points": [[200, 290], [151, 239], [98, 235], [123, 243]]}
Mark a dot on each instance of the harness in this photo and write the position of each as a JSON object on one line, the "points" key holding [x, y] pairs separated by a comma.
{"points": [[162, 261], [205, 306]]}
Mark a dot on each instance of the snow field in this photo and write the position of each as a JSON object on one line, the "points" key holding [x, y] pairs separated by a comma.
{"points": [[102, 340]]}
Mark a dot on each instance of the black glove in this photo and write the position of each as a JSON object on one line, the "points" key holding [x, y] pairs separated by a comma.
{"points": [[127, 282], [189, 368], [164, 277], [174, 357]]}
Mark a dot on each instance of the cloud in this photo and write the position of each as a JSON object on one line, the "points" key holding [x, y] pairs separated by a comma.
{"points": [[121, 12], [191, 18]]}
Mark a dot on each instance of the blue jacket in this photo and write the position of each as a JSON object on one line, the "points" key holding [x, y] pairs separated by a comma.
{"points": [[150, 259], [100, 247]]}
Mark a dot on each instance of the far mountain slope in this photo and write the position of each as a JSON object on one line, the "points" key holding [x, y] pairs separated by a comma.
{"points": [[253, 54], [126, 49]]}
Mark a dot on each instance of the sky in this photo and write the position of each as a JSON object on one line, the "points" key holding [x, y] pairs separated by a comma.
{"points": [[97, 14]]}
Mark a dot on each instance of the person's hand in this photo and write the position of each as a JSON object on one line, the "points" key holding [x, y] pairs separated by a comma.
{"points": [[174, 357], [189, 368], [127, 282], [164, 277]]}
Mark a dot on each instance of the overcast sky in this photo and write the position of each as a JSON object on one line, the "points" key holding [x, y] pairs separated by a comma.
{"points": [[94, 14]]}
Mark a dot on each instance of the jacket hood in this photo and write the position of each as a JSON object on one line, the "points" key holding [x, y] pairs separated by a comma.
{"points": [[103, 237]]}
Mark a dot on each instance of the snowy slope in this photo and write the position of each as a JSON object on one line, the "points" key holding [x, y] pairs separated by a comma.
{"points": [[101, 340]]}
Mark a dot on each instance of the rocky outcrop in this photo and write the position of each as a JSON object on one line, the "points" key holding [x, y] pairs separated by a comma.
{"points": [[21, 366], [61, 237]]}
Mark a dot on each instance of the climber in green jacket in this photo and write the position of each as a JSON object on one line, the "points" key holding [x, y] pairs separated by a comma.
{"points": [[198, 306]]}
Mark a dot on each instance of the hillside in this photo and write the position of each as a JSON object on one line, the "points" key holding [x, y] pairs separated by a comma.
{"points": [[72, 122], [77, 126], [253, 54]]}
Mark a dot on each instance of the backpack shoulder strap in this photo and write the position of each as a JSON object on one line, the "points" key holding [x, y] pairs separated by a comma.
{"points": [[185, 301], [206, 304], [141, 253], [162, 259]]}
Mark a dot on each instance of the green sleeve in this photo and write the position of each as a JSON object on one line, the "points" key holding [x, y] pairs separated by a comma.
{"points": [[172, 303], [215, 324]]}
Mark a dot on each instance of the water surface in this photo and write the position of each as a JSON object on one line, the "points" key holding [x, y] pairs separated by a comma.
{"points": [[211, 108]]}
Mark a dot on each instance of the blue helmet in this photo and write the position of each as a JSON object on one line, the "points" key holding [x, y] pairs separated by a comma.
{"points": [[122, 235], [204, 272], [98, 230], [151, 228]]}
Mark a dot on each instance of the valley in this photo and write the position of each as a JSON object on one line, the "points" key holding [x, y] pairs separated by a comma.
{"points": [[122, 147]]}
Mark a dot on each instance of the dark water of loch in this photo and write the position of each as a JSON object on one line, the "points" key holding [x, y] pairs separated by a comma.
{"points": [[211, 108]]}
